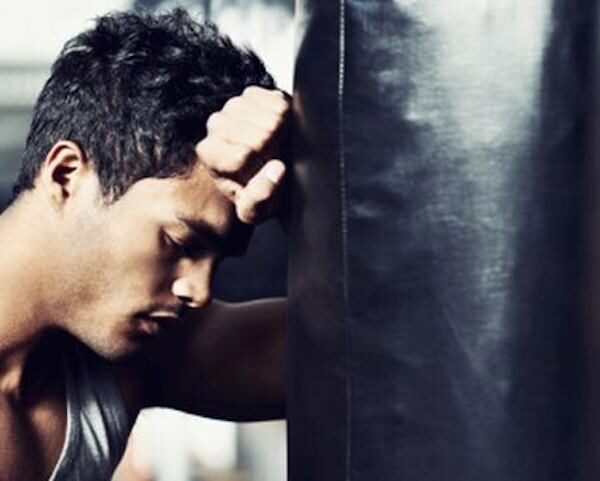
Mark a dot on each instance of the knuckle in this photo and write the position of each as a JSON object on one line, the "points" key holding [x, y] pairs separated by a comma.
{"points": [[250, 89], [279, 113], [232, 166], [282, 107], [240, 160], [200, 148], [233, 103], [279, 96], [213, 121], [270, 127], [227, 165], [274, 124], [204, 151], [258, 144], [269, 121]]}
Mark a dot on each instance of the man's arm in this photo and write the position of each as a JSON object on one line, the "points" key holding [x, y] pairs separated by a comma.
{"points": [[227, 362]]}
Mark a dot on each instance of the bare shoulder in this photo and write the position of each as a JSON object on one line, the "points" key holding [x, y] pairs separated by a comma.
{"points": [[15, 456], [33, 426], [10, 439]]}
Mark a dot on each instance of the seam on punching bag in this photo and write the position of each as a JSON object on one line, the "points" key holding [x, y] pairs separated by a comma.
{"points": [[344, 227]]}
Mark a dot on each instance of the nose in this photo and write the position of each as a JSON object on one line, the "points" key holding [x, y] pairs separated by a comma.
{"points": [[192, 287]]}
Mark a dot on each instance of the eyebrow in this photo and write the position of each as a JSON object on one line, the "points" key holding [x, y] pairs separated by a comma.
{"points": [[232, 243], [204, 230]]}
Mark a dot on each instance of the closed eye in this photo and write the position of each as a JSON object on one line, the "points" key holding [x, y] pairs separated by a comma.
{"points": [[174, 246], [189, 248]]}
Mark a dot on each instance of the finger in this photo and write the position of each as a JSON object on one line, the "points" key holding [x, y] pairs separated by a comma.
{"points": [[248, 111], [254, 198], [237, 130], [259, 91], [222, 157], [274, 100]]}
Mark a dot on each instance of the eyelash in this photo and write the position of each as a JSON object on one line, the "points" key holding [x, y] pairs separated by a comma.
{"points": [[183, 249], [177, 247]]}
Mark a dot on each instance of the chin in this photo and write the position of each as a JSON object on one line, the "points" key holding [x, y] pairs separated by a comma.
{"points": [[118, 350]]}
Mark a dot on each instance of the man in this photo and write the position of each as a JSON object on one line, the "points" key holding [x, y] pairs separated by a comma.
{"points": [[148, 157]]}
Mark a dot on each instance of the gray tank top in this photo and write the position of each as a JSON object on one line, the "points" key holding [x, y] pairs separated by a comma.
{"points": [[97, 421]]}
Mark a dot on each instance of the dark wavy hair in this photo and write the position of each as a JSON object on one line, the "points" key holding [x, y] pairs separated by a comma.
{"points": [[134, 93]]}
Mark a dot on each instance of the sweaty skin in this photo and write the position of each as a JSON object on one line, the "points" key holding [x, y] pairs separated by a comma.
{"points": [[131, 280]]}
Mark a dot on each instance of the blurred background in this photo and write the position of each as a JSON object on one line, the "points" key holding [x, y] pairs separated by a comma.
{"points": [[174, 446]]}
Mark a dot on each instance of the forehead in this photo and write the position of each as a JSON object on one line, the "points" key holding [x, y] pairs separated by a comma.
{"points": [[193, 200], [193, 196], [197, 198]]}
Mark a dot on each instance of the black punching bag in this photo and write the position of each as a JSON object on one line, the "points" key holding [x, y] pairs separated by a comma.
{"points": [[435, 276]]}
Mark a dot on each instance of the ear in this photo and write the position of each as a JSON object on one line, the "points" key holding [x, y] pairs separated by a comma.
{"points": [[64, 173]]}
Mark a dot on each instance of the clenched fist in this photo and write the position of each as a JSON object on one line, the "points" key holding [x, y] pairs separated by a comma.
{"points": [[242, 150]]}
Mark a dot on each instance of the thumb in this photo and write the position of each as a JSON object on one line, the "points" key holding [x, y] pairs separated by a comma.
{"points": [[253, 200]]}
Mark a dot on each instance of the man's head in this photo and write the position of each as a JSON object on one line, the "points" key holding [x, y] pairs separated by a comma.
{"points": [[134, 93], [133, 225]]}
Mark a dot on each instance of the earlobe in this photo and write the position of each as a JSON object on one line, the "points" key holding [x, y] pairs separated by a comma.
{"points": [[63, 171]]}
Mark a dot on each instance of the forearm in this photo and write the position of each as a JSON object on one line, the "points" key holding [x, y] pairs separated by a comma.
{"points": [[232, 364]]}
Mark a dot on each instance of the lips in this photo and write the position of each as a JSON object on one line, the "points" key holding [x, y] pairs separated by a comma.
{"points": [[149, 326], [154, 323], [164, 316]]}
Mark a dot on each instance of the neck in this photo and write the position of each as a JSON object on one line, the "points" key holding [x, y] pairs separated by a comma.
{"points": [[24, 319]]}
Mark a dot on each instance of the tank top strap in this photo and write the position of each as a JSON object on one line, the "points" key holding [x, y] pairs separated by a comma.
{"points": [[97, 421]]}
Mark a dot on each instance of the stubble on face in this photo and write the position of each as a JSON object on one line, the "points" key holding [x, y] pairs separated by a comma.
{"points": [[117, 266]]}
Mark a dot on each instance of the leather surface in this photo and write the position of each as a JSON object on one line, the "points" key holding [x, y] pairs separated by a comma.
{"points": [[436, 256]]}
